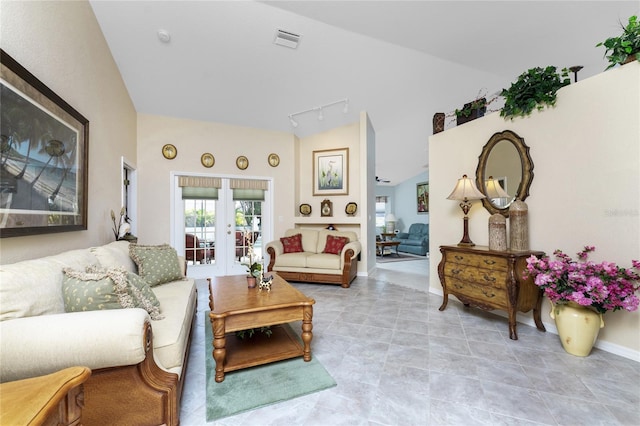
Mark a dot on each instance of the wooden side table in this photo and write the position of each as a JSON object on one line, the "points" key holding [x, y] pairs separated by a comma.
{"points": [[490, 280], [54, 399]]}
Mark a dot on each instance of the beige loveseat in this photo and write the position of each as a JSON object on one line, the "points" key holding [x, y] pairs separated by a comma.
{"points": [[137, 363], [312, 264]]}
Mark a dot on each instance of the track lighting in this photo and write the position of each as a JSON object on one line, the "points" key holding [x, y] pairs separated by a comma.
{"points": [[319, 110]]}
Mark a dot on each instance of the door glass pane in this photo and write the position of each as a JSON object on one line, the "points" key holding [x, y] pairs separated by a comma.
{"points": [[200, 231], [248, 244]]}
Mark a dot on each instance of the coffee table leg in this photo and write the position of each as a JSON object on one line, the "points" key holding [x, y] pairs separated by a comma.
{"points": [[307, 335], [219, 350]]}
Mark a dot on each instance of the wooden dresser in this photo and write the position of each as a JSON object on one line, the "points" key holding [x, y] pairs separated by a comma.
{"points": [[54, 399], [490, 280]]}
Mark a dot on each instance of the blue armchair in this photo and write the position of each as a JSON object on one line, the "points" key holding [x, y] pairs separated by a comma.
{"points": [[415, 241]]}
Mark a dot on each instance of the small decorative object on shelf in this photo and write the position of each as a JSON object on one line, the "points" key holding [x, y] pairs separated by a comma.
{"points": [[274, 160], [581, 291], [351, 209], [169, 151], [265, 282], [242, 162], [326, 208], [497, 232], [330, 227], [122, 227], [519, 226], [305, 209], [207, 160]]}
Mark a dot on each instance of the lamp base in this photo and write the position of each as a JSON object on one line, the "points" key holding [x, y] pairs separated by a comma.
{"points": [[466, 241], [466, 244]]}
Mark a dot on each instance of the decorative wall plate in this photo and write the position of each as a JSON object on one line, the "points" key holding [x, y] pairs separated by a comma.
{"points": [[169, 151], [242, 162], [326, 208], [305, 209], [274, 160], [207, 160], [351, 209]]}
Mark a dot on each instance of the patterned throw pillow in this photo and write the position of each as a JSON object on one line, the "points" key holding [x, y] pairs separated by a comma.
{"points": [[335, 245], [141, 295], [292, 244], [156, 264], [84, 291]]}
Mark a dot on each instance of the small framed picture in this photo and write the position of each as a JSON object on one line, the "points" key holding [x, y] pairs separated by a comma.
{"points": [[422, 192]]}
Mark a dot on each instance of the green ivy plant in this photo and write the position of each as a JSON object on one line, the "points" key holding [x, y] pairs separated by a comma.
{"points": [[470, 107], [534, 89], [248, 334], [619, 49]]}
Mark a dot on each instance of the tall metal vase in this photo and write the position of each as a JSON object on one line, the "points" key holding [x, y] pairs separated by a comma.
{"points": [[578, 327]]}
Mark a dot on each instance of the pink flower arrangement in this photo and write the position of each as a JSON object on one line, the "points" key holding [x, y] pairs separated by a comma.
{"points": [[603, 286]]}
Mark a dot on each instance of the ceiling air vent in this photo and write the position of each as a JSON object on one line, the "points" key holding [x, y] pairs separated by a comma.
{"points": [[287, 39]]}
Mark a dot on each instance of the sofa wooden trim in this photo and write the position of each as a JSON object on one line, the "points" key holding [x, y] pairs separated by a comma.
{"points": [[349, 271], [140, 394]]}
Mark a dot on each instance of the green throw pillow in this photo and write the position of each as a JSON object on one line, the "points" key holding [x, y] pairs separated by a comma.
{"points": [[84, 291], [156, 264]]}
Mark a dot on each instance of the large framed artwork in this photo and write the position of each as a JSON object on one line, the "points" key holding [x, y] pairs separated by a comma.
{"points": [[331, 172], [43, 157], [422, 190]]}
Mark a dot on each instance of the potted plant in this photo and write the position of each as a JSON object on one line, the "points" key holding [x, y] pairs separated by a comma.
{"points": [[471, 111], [535, 88], [253, 268], [624, 48], [250, 332], [581, 292]]}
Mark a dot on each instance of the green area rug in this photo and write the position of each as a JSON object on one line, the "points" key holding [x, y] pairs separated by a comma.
{"points": [[255, 387]]}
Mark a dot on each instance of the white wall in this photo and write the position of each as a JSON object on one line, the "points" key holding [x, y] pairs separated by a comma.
{"points": [[406, 204], [586, 185], [62, 45]]}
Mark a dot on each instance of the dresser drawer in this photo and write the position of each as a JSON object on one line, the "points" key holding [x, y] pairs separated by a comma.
{"points": [[477, 293], [480, 276], [477, 261]]}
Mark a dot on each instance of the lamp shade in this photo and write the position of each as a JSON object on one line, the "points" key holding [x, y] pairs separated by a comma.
{"points": [[465, 190], [390, 217], [494, 190]]}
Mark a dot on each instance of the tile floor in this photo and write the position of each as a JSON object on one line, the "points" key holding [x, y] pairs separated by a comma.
{"points": [[399, 361]]}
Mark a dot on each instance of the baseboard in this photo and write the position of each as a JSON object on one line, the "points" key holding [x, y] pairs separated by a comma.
{"points": [[526, 318]]}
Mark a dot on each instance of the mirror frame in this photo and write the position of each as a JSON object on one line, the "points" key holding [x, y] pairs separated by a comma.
{"points": [[526, 169]]}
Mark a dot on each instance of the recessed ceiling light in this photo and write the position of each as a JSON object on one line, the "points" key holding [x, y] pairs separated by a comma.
{"points": [[164, 36]]}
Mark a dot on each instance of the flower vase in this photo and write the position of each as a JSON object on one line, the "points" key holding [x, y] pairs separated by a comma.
{"points": [[251, 281], [578, 327]]}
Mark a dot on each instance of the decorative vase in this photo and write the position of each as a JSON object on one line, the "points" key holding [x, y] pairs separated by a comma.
{"points": [[518, 226], [251, 282], [497, 232], [578, 327]]}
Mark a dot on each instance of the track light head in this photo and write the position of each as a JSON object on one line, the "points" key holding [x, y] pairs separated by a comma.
{"points": [[346, 106], [320, 114], [294, 123]]}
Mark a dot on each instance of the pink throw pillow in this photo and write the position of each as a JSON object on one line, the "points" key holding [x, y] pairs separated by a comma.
{"points": [[335, 245], [292, 244]]}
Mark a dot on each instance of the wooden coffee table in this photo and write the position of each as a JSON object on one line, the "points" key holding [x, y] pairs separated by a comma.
{"points": [[236, 307], [381, 245]]}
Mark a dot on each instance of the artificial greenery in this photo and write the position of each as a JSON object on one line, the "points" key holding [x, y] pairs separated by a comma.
{"points": [[627, 44], [535, 88], [470, 107], [249, 333]]}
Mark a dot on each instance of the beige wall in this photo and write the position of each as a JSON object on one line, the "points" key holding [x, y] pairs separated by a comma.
{"points": [[192, 139], [62, 45], [586, 188]]}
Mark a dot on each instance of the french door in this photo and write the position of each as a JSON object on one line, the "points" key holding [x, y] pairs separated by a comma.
{"points": [[220, 230]]}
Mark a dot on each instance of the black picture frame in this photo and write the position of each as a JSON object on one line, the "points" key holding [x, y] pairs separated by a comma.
{"points": [[44, 156]]}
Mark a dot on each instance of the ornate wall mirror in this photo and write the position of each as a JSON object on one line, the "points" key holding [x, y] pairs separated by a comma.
{"points": [[504, 172]]}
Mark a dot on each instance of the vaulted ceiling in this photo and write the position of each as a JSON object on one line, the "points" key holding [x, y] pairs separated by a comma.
{"points": [[400, 61]]}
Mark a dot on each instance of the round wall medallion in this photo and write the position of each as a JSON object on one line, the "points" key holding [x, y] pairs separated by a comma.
{"points": [[305, 209], [207, 160], [274, 160], [351, 209], [242, 162], [169, 151]]}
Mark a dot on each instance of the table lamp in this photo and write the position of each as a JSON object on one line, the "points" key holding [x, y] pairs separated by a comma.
{"points": [[390, 220], [465, 191], [494, 189]]}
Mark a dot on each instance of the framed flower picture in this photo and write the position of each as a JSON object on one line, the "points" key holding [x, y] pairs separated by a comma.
{"points": [[422, 192], [331, 172]]}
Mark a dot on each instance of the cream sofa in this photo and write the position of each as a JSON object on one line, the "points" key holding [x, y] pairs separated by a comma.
{"points": [[312, 265], [137, 363]]}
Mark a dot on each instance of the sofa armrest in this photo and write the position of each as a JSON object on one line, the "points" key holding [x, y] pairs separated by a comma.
{"points": [[401, 236], [34, 346], [353, 245], [277, 247]]}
